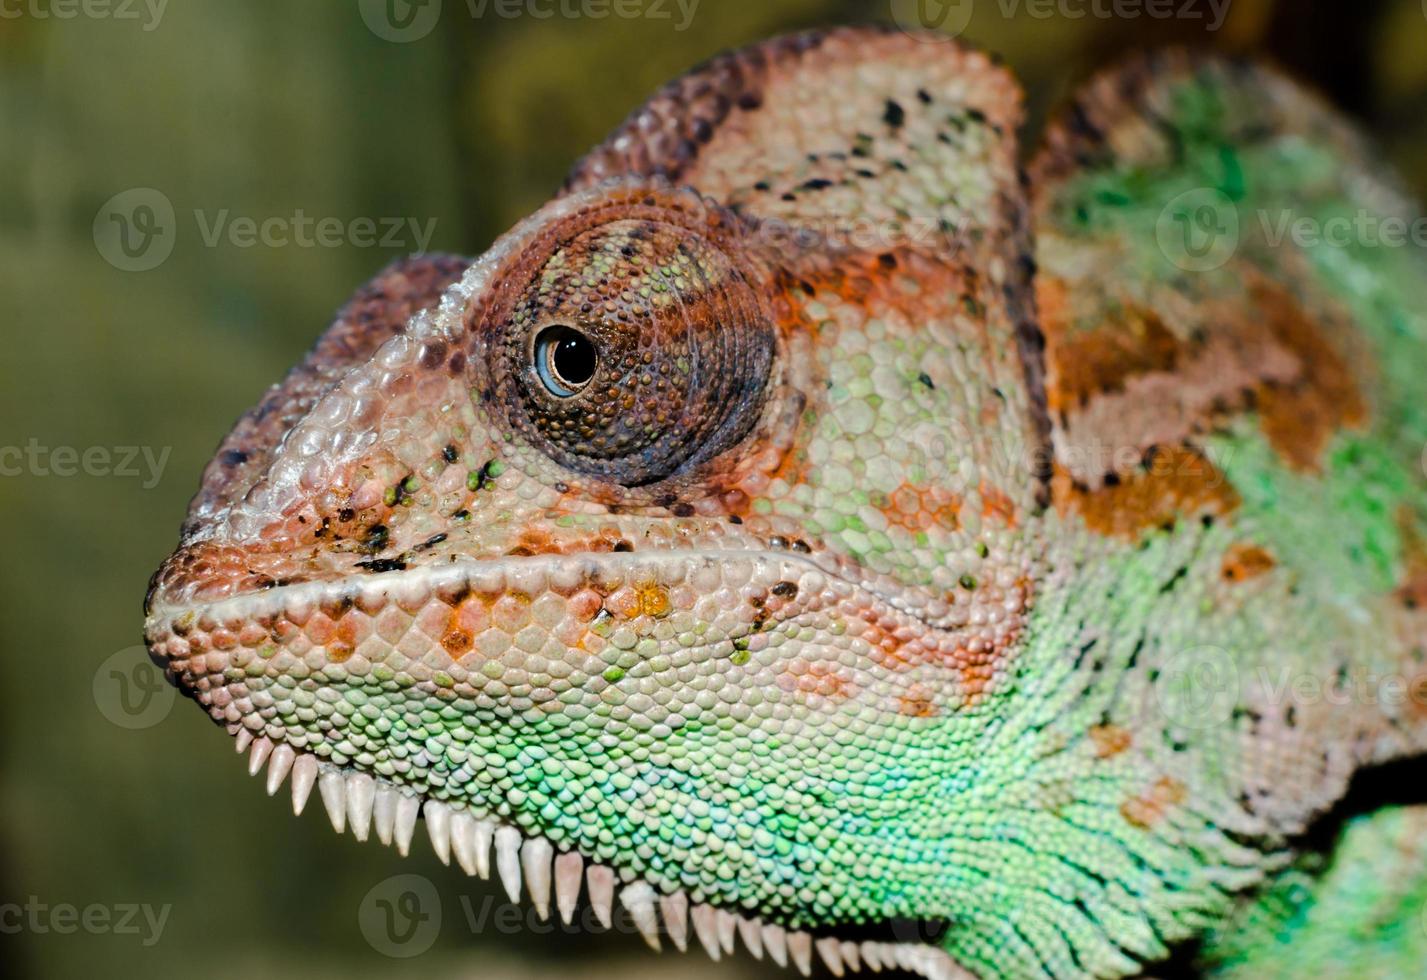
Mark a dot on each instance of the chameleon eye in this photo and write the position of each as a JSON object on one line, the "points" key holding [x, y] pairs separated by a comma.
{"points": [[631, 347], [565, 360]]}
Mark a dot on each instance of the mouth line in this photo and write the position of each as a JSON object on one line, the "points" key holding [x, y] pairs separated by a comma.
{"points": [[498, 574], [484, 847]]}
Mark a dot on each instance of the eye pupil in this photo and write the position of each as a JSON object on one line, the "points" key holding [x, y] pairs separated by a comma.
{"points": [[565, 360], [575, 359]]}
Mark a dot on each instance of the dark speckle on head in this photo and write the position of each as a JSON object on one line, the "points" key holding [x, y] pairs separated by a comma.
{"points": [[894, 115], [376, 538], [433, 355], [382, 565]]}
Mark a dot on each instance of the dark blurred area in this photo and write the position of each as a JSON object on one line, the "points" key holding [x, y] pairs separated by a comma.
{"points": [[288, 150]]}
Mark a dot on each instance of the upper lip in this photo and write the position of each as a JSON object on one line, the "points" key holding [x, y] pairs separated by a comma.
{"points": [[452, 573]]}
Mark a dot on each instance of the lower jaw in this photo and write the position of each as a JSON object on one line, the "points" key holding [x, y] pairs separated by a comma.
{"points": [[553, 879]]}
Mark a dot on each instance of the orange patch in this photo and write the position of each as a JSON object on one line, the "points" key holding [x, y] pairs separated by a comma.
{"points": [[1417, 696], [469, 617], [1412, 591], [816, 677], [625, 603], [335, 631], [976, 676], [996, 504], [457, 643], [1085, 362], [1245, 561], [654, 601], [1149, 808], [1299, 419], [1110, 740], [903, 647], [921, 508], [633, 601], [889, 642], [1262, 349], [1175, 483], [917, 702]]}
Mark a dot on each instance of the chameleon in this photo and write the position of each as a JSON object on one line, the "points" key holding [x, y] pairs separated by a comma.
{"points": [[827, 529]]}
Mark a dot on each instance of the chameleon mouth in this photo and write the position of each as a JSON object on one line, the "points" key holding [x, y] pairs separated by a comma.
{"points": [[554, 879], [211, 647]]}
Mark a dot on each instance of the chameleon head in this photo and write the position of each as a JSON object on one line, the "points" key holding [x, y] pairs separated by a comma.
{"points": [[665, 559]]}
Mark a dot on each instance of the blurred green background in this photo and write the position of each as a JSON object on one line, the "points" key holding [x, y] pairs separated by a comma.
{"points": [[269, 109]]}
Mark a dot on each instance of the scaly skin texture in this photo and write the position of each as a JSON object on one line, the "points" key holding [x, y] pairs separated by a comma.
{"points": [[888, 568]]}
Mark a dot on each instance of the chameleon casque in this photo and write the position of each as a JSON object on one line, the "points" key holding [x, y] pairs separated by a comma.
{"points": [[813, 528]]}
